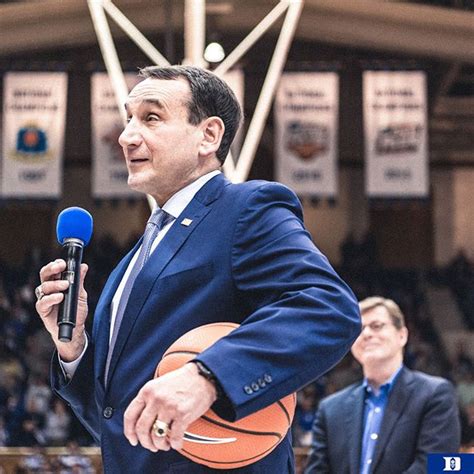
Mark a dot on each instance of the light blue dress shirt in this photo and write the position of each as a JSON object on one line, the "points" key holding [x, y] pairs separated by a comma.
{"points": [[374, 409]]}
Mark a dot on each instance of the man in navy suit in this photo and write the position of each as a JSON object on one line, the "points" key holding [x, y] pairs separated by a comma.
{"points": [[228, 252], [388, 423]]}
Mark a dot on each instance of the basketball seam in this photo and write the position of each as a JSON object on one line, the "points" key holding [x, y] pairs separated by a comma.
{"points": [[259, 456], [284, 411], [181, 352], [241, 430]]}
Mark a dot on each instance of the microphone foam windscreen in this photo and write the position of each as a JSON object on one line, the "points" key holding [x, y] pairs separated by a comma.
{"points": [[74, 223]]}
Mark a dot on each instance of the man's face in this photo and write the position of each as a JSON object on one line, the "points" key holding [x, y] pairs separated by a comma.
{"points": [[380, 341], [161, 147]]}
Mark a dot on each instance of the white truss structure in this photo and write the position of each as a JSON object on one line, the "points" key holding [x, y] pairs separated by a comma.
{"points": [[194, 37]]}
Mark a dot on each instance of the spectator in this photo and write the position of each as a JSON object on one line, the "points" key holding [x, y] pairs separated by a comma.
{"points": [[395, 417], [37, 462], [304, 418], [57, 424], [75, 462], [30, 433], [38, 396], [468, 425]]}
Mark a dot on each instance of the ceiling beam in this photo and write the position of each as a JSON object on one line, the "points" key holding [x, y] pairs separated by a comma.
{"points": [[402, 28]]}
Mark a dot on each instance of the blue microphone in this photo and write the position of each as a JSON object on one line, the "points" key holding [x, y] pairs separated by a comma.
{"points": [[74, 231]]}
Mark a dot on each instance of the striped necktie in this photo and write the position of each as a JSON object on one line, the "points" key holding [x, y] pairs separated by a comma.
{"points": [[157, 221]]}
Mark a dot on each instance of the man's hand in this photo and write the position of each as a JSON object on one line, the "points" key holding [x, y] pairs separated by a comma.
{"points": [[177, 399], [47, 308]]}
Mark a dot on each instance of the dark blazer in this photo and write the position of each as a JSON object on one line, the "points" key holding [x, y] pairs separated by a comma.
{"points": [[421, 417], [245, 258]]}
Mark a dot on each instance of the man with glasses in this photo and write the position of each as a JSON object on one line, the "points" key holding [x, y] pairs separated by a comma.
{"points": [[391, 420]]}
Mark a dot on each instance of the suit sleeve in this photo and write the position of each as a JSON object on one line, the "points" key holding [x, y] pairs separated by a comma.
{"points": [[440, 430], [318, 462], [78, 392], [301, 318]]}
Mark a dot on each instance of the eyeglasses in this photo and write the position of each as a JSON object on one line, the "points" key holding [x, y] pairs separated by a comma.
{"points": [[374, 326]]}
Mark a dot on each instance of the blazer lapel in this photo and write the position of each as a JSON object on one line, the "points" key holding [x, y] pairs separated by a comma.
{"points": [[354, 413], [398, 398], [101, 325], [196, 210]]}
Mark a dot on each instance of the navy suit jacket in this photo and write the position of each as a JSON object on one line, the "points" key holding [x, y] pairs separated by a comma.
{"points": [[245, 258], [421, 417]]}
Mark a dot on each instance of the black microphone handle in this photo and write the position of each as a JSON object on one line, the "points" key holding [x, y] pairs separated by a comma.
{"points": [[72, 254]]}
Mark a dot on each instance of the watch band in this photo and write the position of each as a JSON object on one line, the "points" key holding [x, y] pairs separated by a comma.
{"points": [[208, 375]]}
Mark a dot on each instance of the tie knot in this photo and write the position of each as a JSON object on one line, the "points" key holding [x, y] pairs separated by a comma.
{"points": [[159, 218]]}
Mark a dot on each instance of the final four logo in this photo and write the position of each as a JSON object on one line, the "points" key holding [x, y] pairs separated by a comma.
{"points": [[31, 139], [31, 143], [307, 140], [399, 138]]}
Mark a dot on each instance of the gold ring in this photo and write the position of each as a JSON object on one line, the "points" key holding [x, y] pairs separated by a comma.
{"points": [[39, 293], [160, 428]]}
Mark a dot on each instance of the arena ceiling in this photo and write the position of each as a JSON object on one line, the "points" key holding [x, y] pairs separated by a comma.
{"points": [[401, 27]]}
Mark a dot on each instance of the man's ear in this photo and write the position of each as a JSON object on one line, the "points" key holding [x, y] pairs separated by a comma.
{"points": [[213, 131], [404, 336]]}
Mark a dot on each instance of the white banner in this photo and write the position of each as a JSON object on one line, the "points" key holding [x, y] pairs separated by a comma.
{"points": [[34, 112], [306, 116], [109, 171], [396, 134]]}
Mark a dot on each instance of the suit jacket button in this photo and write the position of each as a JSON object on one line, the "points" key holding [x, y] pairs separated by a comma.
{"points": [[108, 412], [262, 383], [248, 390], [267, 378], [255, 386]]}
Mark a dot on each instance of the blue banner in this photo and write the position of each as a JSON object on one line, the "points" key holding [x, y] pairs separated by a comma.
{"points": [[450, 462]]}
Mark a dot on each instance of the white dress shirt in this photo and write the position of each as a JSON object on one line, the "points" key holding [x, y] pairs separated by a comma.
{"points": [[174, 206]]}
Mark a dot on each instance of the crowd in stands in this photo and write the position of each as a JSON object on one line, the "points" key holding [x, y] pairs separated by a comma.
{"points": [[31, 416]]}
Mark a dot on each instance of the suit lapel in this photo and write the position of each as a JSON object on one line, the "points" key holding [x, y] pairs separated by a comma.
{"points": [[196, 210], [398, 398], [101, 328], [354, 412]]}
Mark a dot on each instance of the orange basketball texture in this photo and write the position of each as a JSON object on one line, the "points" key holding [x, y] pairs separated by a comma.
{"points": [[255, 435]]}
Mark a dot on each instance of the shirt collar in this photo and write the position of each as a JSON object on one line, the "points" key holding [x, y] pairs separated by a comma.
{"points": [[386, 387], [176, 204]]}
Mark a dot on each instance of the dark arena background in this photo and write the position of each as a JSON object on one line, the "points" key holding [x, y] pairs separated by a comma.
{"points": [[389, 199]]}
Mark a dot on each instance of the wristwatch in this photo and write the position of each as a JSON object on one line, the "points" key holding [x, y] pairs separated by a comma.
{"points": [[208, 375]]}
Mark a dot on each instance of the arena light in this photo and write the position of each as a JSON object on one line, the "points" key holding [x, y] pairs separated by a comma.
{"points": [[214, 52]]}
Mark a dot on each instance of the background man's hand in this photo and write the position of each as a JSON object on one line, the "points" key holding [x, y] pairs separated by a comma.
{"points": [[177, 398], [47, 307]]}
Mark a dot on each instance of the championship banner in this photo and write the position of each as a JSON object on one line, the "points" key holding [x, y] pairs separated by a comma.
{"points": [[34, 112], [396, 134], [109, 170], [306, 116]]}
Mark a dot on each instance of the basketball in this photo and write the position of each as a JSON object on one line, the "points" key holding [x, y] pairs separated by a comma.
{"points": [[213, 441]]}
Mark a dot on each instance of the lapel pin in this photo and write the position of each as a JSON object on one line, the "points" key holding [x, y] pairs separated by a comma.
{"points": [[187, 222]]}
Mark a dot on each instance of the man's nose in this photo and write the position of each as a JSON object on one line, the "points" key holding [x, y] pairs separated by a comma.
{"points": [[130, 136]]}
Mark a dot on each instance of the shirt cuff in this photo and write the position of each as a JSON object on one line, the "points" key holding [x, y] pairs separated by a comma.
{"points": [[69, 368]]}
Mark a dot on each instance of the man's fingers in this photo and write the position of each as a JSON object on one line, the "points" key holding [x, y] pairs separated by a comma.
{"points": [[52, 295], [145, 433], [177, 434], [84, 269], [54, 286], [44, 305], [52, 270], [162, 444], [130, 418]]}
